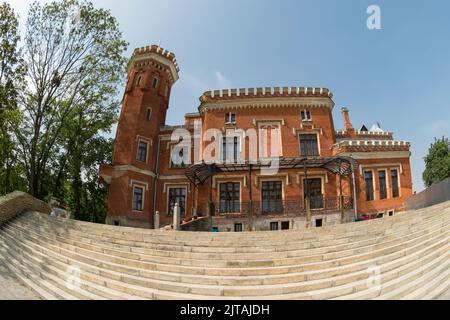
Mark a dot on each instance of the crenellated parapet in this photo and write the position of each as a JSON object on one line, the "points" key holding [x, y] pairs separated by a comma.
{"points": [[265, 92], [371, 145], [268, 97], [363, 135], [145, 55]]}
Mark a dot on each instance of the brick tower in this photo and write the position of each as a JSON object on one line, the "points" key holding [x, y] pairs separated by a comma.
{"points": [[152, 72]]}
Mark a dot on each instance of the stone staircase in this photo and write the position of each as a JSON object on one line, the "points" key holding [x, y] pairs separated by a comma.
{"points": [[400, 257]]}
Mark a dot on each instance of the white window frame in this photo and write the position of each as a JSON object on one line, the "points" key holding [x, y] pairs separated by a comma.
{"points": [[373, 185], [147, 142], [239, 151], [306, 113]]}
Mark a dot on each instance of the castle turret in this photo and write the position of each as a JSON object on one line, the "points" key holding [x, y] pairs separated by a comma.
{"points": [[152, 71]]}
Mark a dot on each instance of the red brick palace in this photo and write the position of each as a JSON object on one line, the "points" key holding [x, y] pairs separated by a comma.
{"points": [[249, 159]]}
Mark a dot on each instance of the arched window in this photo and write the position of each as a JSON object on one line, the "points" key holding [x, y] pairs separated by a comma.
{"points": [[154, 82], [148, 114]]}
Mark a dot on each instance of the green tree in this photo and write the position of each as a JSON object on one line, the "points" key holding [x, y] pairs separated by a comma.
{"points": [[437, 162], [74, 54], [11, 81]]}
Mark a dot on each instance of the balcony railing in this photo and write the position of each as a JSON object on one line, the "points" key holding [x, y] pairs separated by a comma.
{"points": [[319, 205]]}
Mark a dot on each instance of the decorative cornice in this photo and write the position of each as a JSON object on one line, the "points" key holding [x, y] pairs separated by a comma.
{"points": [[273, 102], [157, 54]]}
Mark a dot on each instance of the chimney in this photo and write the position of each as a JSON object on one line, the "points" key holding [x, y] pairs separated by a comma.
{"points": [[347, 123]]}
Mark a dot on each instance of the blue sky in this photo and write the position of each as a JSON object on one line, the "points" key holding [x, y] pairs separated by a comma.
{"points": [[398, 76]]}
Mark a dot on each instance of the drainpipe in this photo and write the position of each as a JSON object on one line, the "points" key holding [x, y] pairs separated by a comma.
{"points": [[354, 194], [156, 177]]}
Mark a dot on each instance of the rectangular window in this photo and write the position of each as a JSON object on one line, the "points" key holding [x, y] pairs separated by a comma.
{"points": [[179, 157], [285, 225], [230, 118], [229, 197], [138, 198], [394, 178], [273, 226], [177, 195], [368, 179], [382, 182], [314, 189], [238, 227], [148, 115], [142, 151], [319, 222], [271, 197], [306, 115], [230, 148], [308, 145]]}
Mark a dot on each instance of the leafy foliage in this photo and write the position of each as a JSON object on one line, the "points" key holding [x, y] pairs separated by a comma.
{"points": [[437, 162], [64, 101]]}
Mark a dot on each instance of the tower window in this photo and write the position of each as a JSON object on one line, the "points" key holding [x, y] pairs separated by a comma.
{"points": [[154, 82], [368, 178], [138, 80], [148, 115], [138, 198], [142, 151], [306, 115]]}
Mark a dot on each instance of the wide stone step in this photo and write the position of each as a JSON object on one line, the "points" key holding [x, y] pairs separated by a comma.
{"points": [[134, 263], [106, 247], [246, 290], [159, 237]]}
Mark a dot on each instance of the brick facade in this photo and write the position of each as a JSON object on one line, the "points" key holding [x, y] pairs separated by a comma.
{"points": [[283, 114]]}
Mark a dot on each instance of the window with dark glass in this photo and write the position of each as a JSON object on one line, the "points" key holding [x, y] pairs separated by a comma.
{"points": [[138, 80], [142, 151], [154, 83], [230, 148], [148, 115], [308, 145], [238, 227], [271, 196], [229, 197], [230, 118], [138, 196], [179, 157], [177, 195], [306, 115], [284, 225], [382, 182], [314, 189], [394, 178], [368, 179], [274, 226]]}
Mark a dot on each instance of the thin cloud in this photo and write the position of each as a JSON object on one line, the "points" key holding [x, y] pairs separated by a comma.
{"points": [[222, 81]]}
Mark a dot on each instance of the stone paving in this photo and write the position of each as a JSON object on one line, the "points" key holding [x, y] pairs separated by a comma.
{"points": [[12, 289]]}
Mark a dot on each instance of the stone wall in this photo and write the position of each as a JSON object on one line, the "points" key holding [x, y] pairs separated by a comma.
{"points": [[17, 202]]}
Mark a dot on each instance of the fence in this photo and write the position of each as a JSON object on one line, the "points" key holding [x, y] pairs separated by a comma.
{"points": [[437, 193]]}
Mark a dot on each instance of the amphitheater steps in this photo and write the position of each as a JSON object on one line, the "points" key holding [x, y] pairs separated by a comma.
{"points": [[309, 288], [409, 254], [92, 253]]}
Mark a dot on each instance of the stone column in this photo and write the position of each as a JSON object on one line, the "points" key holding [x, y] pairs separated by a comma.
{"points": [[176, 217], [156, 220]]}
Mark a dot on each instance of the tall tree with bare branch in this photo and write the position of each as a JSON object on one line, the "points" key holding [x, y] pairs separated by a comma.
{"points": [[11, 82], [74, 58]]}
